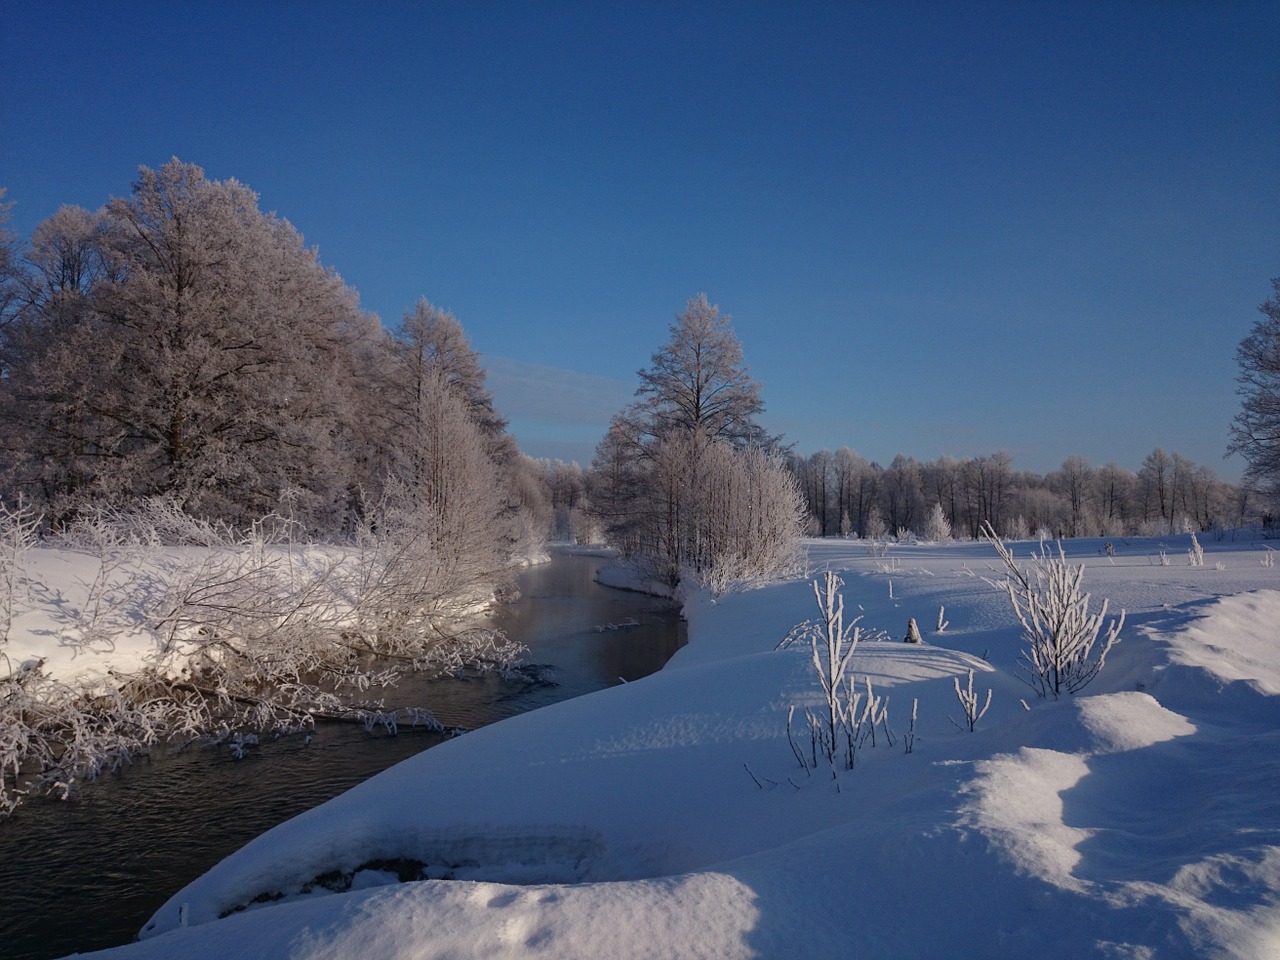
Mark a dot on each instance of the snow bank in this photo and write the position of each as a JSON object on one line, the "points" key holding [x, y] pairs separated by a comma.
{"points": [[668, 817]]}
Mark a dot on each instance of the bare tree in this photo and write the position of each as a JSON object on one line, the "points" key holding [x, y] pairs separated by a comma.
{"points": [[1114, 486], [1156, 482], [818, 477], [1255, 431], [1074, 483], [903, 497]]}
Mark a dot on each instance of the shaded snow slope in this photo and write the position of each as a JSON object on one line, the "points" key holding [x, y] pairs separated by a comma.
{"points": [[669, 817]]}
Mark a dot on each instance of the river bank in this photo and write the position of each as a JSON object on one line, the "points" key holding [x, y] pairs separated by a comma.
{"points": [[122, 845]]}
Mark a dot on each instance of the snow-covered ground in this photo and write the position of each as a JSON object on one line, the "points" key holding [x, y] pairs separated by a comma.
{"points": [[669, 817], [82, 612]]}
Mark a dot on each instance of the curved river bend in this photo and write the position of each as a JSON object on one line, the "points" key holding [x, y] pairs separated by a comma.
{"points": [[89, 873]]}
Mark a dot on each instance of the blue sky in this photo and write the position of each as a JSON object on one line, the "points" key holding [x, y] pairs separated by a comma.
{"points": [[941, 228]]}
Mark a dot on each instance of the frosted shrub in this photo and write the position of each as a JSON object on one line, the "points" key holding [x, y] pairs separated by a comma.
{"points": [[968, 698], [832, 644], [748, 512], [269, 645], [848, 716], [148, 522], [1195, 556], [1019, 529], [1059, 632], [937, 527], [54, 734], [875, 529]]}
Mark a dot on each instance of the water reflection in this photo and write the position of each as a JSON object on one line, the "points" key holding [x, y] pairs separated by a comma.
{"points": [[87, 874]]}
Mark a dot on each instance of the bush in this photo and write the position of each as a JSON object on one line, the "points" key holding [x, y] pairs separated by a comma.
{"points": [[1059, 631]]}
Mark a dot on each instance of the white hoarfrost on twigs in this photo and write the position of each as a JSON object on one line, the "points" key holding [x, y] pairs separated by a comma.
{"points": [[111, 642], [1136, 819]]}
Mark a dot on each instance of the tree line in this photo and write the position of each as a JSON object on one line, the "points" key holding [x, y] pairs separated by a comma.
{"points": [[180, 343], [848, 495]]}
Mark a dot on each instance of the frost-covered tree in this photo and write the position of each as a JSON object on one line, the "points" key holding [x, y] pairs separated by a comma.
{"points": [[432, 341], [1075, 500], [1255, 431], [51, 430], [442, 511], [183, 343], [430, 356], [936, 527], [697, 381], [684, 481]]}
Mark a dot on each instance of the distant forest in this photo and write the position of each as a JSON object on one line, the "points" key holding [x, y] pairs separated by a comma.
{"points": [[847, 495]]}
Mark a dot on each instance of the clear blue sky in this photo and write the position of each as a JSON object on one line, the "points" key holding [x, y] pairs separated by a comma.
{"points": [[941, 228]]}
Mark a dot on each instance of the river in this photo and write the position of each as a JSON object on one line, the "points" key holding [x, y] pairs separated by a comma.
{"points": [[88, 873]]}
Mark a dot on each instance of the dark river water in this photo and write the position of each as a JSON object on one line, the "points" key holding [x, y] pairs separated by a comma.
{"points": [[88, 873]]}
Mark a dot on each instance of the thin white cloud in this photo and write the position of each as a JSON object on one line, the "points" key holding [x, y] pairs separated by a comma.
{"points": [[555, 412]]}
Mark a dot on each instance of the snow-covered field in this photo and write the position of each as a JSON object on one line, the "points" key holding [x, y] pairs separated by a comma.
{"points": [[669, 817]]}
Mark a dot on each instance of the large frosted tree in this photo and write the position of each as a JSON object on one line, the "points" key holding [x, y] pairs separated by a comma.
{"points": [[182, 342], [1255, 432], [684, 481]]}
